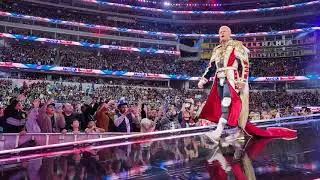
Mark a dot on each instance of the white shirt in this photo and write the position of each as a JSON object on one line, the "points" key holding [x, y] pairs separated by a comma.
{"points": [[119, 120]]}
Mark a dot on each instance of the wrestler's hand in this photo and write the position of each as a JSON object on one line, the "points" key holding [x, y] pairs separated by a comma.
{"points": [[241, 85], [202, 82]]}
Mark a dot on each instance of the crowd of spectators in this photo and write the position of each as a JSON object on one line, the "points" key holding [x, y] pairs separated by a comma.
{"points": [[294, 66], [123, 105], [94, 40], [24, 53], [88, 104], [85, 79], [60, 107], [100, 19], [48, 54], [27, 52], [271, 104], [77, 104]]}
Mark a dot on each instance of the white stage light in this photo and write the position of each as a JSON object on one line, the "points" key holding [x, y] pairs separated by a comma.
{"points": [[166, 3]]}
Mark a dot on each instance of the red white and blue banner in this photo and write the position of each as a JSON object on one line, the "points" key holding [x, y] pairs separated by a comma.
{"points": [[75, 70], [151, 33], [85, 44], [205, 12]]}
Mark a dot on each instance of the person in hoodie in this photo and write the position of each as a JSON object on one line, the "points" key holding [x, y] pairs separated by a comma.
{"points": [[102, 117], [15, 117], [86, 116]]}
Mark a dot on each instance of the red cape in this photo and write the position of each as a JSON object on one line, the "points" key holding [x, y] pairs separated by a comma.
{"points": [[212, 112], [253, 149]]}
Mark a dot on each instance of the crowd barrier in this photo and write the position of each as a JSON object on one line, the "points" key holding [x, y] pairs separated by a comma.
{"points": [[10, 143], [13, 140]]}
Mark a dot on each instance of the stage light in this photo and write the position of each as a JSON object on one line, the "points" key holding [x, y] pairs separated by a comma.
{"points": [[166, 3]]}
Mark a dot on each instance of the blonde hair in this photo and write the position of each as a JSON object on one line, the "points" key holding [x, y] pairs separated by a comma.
{"points": [[225, 27]]}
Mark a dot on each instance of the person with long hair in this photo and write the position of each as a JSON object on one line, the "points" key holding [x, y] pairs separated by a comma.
{"points": [[15, 117]]}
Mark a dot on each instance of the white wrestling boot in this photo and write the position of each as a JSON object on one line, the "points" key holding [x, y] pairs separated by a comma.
{"points": [[235, 142], [236, 135], [216, 134]]}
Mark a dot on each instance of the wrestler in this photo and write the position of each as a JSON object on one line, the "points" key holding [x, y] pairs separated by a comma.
{"points": [[228, 101]]}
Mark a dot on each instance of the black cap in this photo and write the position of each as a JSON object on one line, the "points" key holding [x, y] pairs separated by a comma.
{"points": [[52, 104]]}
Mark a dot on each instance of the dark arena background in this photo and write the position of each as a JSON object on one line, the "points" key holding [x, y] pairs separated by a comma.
{"points": [[70, 68]]}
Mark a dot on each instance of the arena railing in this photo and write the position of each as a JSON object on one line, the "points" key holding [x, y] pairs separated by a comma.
{"points": [[150, 33], [156, 42], [10, 143], [92, 45]]}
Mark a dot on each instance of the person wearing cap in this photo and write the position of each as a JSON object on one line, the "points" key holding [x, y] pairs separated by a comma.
{"points": [[123, 120], [49, 121]]}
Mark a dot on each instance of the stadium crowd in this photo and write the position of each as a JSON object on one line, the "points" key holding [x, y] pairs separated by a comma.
{"points": [[42, 54], [48, 54], [292, 66], [114, 106], [100, 19], [60, 107], [54, 103]]}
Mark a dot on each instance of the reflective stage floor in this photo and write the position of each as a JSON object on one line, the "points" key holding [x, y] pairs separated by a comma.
{"points": [[177, 157]]}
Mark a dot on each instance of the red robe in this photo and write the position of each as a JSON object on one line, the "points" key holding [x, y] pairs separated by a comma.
{"points": [[212, 109], [253, 149]]}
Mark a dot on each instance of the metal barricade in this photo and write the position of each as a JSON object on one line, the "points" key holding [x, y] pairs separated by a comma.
{"points": [[11, 141]]}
